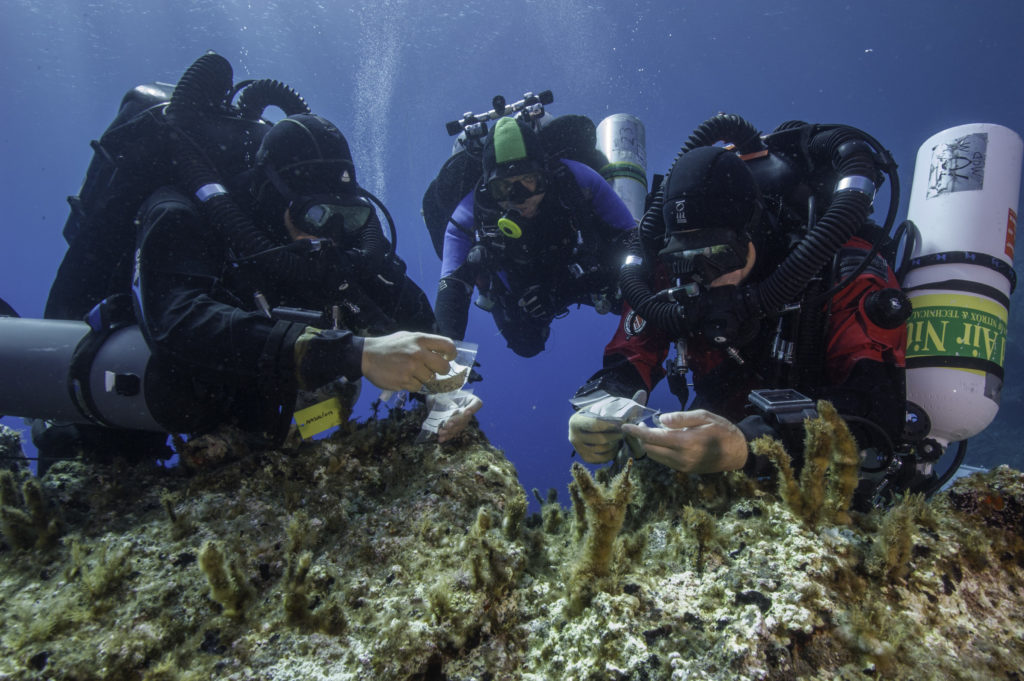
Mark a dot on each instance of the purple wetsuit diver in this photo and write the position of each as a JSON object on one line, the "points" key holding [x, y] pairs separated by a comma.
{"points": [[537, 235]]}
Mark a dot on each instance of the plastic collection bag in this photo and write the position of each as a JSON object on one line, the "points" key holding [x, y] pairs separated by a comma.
{"points": [[442, 407], [457, 375], [618, 410]]}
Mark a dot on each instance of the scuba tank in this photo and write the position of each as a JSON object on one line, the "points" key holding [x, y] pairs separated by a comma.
{"points": [[963, 201], [622, 139]]}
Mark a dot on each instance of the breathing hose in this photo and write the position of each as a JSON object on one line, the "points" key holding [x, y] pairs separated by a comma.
{"points": [[256, 96], [203, 89], [841, 147], [206, 89]]}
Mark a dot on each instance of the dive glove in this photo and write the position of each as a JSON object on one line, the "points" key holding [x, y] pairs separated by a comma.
{"points": [[322, 355], [597, 437]]}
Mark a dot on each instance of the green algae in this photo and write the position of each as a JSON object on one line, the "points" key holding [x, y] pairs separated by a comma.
{"points": [[365, 556]]}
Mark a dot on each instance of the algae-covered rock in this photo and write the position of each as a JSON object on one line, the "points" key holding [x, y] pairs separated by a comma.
{"points": [[366, 556], [11, 455]]}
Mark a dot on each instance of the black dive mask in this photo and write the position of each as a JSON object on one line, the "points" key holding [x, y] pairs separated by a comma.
{"points": [[331, 216], [515, 190], [703, 255]]}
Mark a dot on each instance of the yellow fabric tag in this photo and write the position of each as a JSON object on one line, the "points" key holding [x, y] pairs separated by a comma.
{"points": [[319, 417]]}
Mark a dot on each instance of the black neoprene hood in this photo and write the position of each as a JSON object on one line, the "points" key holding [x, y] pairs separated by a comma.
{"points": [[710, 188], [309, 154]]}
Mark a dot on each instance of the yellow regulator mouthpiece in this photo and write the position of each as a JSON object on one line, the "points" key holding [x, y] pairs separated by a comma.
{"points": [[509, 228]]}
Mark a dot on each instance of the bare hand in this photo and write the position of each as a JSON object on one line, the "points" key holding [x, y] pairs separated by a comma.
{"points": [[458, 421], [693, 442], [406, 360]]}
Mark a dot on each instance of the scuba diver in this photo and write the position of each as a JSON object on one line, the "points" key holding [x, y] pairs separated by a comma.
{"points": [[321, 250], [539, 232], [257, 268], [758, 263]]}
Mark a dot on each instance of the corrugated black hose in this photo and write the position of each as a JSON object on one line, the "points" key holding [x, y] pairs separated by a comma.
{"points": [[634, 279], [841, 148]]}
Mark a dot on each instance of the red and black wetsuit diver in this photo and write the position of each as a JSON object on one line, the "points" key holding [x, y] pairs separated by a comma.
{"points": [[757, 261]]}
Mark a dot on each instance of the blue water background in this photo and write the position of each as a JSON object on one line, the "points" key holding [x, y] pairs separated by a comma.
{"points": [[390, 73]]}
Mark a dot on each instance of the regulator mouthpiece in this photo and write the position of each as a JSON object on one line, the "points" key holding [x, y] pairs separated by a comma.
{"points": [[508, 226]]}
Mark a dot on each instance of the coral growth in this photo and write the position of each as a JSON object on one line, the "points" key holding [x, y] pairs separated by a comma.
{"points": [[830, 470], [604, 510], [11, 455], [26, 519], [368, 556], [228, 585]]}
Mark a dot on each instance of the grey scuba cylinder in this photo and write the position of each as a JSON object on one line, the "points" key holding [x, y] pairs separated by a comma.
{"points": [[52, 372], [621, 137]]}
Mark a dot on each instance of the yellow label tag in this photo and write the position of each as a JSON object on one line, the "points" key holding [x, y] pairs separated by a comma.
{"points": [[319, 417]]}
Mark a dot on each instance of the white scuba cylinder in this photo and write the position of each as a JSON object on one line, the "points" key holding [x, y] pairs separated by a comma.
{"points": [[964, 202], [621, 137]]}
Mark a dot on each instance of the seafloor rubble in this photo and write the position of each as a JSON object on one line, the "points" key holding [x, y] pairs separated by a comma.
{"points": [[368, 557]]}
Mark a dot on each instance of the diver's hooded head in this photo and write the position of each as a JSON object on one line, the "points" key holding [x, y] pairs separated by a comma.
{"points": [[512, 150], [711, 212], [304, 166]]}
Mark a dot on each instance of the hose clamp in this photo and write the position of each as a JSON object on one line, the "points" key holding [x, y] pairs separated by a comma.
{"points": [[857, 183], [633, 260], [208, 191]]}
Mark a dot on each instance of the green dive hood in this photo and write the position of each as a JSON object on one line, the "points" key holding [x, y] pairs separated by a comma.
{"points": [[512, 148]]}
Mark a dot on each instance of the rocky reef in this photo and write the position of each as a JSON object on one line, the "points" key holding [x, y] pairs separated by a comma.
{"points": [[366, 556]]}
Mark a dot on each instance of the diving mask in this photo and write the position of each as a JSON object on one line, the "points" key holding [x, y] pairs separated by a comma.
{"points": [[331, 216], [703, 255], [518, 188]]}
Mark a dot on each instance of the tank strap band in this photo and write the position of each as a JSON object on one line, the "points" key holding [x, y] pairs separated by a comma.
{"points": [[78, 376], [967, 258], [954, 362], [630, 171], [107, 316], [967, 287]]}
